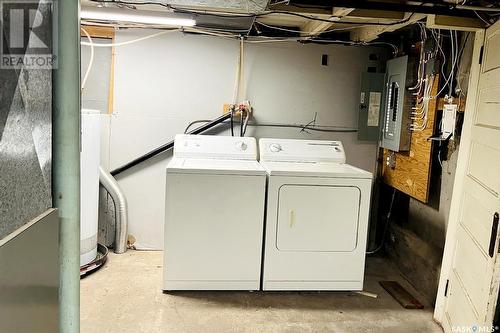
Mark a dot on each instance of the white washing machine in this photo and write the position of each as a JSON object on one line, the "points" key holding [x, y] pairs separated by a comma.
{"points": [[215, 197], [317, 216]]}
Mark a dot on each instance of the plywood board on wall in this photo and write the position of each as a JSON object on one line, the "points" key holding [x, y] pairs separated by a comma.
{"points": [[412, 169], [98, 31]]}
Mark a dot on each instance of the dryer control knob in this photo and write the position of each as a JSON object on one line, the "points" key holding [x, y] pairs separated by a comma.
{"points": [[275, 147], [241, 145]]}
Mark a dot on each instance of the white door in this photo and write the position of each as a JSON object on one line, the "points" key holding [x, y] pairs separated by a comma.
{"points": [[470, 272], [315, 218]]}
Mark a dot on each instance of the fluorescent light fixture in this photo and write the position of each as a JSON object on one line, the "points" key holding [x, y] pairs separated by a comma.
{"points": [[136, 16]]}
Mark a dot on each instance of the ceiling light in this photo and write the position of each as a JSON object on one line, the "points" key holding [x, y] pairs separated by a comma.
{"points": [[107, 14]]}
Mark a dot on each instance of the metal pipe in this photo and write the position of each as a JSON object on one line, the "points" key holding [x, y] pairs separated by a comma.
{"points": [[66, 160], [169, 145], [120, 202]]}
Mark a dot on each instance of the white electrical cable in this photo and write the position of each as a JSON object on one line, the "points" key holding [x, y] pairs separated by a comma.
{"points": [[312, 33], [454, 47], [237, 78], [91, 61], [257, 40], [252, 39], [424, 107], [241, 84], [437, 38], [421, 62], [453, 64], [131, 41]]}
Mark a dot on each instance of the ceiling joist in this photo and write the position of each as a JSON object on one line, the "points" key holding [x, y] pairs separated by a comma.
{"points": [[453, 23], [317, 27], [370, 33]]}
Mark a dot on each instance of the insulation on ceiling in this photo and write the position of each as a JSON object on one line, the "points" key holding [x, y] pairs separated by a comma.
{"points": [[249, 6]]}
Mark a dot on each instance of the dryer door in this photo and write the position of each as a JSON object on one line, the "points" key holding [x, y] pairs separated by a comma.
{"points": [[317, 218]]}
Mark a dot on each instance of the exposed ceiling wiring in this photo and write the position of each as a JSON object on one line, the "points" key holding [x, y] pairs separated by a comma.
{"points": [[336, 19], [251, 39], [227, 14], [311, 33]]}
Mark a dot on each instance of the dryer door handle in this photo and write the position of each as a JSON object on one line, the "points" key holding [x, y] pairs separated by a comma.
{"points": [[291, 218]]}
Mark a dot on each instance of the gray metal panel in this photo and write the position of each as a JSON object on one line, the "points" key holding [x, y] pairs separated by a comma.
{"points": [[369, 117], [25, 144], [29, 277], [396, 134]]}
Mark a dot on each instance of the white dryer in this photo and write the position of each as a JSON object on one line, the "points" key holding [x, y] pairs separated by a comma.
{"points": [[317, 216], [215, 197]]}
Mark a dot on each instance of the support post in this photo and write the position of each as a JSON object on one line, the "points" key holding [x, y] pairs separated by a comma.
{"points": [[66, 161]]}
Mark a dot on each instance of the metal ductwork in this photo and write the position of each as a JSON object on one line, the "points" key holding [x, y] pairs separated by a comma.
{"points": [[120, 202]]}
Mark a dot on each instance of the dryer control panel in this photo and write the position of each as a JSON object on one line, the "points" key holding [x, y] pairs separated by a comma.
{"points": [[312, 151], [215, 147]]}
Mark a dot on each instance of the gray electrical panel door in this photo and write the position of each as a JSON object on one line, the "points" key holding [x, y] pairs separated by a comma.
{"points": [[370, 106], [396, 133]]}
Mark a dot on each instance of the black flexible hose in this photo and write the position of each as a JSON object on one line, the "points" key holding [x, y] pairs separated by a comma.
{"points": [[386, 227]]}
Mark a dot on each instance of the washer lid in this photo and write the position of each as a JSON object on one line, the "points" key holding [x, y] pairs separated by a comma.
{"points": [[216, 167], [333, 170], [215, 147], [288, 150]]}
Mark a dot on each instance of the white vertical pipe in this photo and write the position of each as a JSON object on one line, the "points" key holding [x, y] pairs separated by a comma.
{"points": [[66, 160]]}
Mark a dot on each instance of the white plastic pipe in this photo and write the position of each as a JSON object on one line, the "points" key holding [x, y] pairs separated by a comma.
{"points": [[121, 211]]}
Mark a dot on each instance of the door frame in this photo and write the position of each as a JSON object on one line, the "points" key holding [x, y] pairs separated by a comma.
{"points": [[461, 172]]}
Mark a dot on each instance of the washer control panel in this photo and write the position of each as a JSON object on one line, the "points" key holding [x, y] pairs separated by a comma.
{"points": [[290, 150], [275, 147], [215, 147]]}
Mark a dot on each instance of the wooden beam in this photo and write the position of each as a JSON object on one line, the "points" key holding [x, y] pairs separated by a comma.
{"points": [[454, 23], [317, 27], [372, 13], [98, 31], [283, 20], [303, 10], [111, 93], [369, 33]]}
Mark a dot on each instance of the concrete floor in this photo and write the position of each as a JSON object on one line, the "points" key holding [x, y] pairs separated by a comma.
{"points": [[126, 296]]}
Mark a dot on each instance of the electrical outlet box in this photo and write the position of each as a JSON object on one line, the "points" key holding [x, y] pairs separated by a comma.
{"points": [[396, 134], [449, 121], [370, 106]]}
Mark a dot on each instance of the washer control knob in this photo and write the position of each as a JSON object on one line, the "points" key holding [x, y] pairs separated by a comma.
{"points": [[241, 145], [275, 147]]}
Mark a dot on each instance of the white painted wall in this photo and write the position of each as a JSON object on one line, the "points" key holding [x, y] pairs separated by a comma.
{"points": [[163, 83]]}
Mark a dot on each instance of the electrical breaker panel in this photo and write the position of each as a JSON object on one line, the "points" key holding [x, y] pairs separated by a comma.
{"points": [[396, 134], [370, 106]]}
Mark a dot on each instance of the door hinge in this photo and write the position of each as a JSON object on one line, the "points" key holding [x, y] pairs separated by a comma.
{"points": [[481, 55], [446, 288], [493, 237]]}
